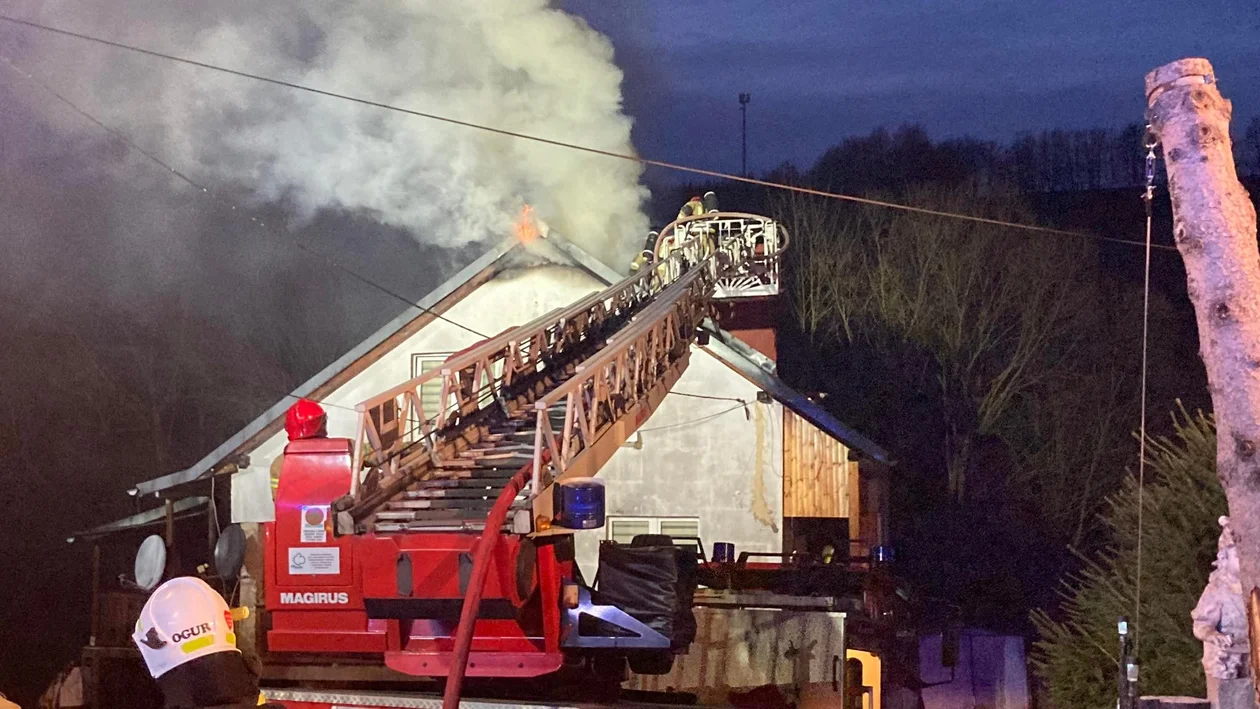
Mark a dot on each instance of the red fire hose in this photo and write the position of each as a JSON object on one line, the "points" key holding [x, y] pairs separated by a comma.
{"points": [[472, 597]]}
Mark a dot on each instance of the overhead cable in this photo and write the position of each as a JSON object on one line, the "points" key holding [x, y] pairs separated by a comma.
{"points": [[574, 146]]}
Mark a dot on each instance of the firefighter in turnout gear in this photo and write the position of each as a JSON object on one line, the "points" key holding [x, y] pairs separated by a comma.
{"points": [[645, 256], [693, 208], [186, 635], [306, 419]]}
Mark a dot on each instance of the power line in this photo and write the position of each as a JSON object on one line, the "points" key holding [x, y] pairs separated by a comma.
{"points": [[196, 185], [573, 146], [706, 396], [702, 419]]}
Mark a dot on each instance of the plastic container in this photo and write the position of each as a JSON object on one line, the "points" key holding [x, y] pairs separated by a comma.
{"points": [[579, 504]]}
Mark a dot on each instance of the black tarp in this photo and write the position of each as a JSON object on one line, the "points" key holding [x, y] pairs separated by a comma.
{"points": [[642, 581]]}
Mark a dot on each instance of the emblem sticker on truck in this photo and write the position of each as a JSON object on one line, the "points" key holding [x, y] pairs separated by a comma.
{"points": [[315, 561], [314, 519]]}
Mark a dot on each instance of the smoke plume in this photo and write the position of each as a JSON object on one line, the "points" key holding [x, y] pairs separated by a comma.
{"points": [[519, 65]]}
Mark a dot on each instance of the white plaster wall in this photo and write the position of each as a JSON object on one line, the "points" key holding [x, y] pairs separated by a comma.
{"points": [[511, 298], [701, 462]]}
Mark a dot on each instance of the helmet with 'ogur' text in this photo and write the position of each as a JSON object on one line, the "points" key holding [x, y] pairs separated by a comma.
{"points": [[183, 620]]}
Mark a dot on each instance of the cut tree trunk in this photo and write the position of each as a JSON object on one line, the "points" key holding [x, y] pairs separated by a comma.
{"points": [[1214, 223]]}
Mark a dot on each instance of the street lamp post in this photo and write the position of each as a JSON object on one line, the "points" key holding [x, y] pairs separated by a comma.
{"points": [[743, 109]]}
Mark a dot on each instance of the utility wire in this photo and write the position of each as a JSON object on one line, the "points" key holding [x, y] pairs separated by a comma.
{"points": [[705, 396], [1147, 197], [198, 186], [573, 146], [702, 419]]}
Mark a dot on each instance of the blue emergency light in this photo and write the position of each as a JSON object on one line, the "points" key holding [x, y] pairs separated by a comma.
{"points": [[579, 504]]}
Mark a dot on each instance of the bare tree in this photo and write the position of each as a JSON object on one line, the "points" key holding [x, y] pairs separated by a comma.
{"points": [[1214, 223], [995, 313]]}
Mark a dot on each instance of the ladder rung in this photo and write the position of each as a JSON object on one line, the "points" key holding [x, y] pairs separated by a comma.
{"points": [[395, 515], [454, 492]]}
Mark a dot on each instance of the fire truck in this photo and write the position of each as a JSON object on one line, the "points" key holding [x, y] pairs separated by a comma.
{"points": [[436, 545]]}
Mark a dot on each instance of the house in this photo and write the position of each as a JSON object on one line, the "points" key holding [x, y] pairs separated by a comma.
{"points": [[732, 454]]}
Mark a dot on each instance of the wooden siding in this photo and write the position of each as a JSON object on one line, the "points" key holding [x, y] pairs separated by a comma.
{"points": [[818, 478]]}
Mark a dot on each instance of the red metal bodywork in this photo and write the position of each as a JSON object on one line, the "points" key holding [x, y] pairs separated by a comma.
{"points": [[359, 604]]}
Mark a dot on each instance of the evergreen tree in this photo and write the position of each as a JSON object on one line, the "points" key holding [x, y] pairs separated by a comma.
{"points": [[1075, 658]]}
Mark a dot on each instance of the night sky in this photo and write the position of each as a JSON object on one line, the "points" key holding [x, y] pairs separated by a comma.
{"points": [[819, 70]]}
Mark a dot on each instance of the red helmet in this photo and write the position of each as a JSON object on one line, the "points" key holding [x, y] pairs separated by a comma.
{"points": [[305, 419]]}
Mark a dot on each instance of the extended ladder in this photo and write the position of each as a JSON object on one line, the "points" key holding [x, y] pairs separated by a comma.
{"points": [[560, 393]]}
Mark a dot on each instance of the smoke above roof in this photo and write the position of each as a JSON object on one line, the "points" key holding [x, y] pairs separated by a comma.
{"points": [[518, 65]]}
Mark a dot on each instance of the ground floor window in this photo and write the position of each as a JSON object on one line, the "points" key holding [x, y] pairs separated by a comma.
{"points": [[623, 529]]}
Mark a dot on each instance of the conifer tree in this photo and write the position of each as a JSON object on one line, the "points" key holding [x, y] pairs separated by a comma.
{"points": [[1075, 657]]}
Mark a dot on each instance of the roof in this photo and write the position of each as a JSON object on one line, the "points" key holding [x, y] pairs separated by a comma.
{"points": [[149, 518], [508, 254], [760, 370], [749, 363]]}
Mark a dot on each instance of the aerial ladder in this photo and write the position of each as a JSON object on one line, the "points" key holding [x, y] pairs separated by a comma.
{"points": [[437, 537]]}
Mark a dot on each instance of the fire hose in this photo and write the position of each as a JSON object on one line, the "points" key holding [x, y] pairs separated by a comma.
{"points": [[476, 582]]}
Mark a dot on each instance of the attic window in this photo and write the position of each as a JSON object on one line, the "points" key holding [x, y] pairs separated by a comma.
{"points": [[430, 392]]}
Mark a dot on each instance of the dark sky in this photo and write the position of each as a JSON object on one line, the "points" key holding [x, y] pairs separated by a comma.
{"points": [[822, 69]]}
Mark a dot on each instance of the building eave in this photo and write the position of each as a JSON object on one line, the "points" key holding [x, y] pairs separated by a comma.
{"points": [[180, 509], [760, 370]]}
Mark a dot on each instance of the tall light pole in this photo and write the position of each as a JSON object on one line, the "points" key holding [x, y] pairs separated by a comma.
{"points": [[743, 109]]}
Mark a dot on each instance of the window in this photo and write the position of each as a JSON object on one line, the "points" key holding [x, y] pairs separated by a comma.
{"points": [[680, 527], [430, 392], [624, 529]]}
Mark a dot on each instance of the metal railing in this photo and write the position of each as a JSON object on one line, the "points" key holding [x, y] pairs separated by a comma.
{"points": [[748, 247], [616, 379]]}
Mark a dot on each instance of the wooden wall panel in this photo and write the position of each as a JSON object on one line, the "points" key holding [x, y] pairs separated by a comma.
{"points": [[817, 473]]}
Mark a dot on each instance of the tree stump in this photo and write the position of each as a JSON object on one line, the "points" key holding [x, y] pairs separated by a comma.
{"points": [[1236, 694], [1214, 224]]}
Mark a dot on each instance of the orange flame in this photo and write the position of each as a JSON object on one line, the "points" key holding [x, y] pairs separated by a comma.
{"points": [[526, 228]]}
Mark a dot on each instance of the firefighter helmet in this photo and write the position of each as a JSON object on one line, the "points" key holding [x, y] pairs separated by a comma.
{"points": [[183, 620], [305, 419]]}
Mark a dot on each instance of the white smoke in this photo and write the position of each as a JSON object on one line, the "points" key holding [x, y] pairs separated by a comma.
{"points": [[519, 65]]}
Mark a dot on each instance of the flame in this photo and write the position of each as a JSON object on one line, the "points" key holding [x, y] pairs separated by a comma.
{"points": [[526, 227]]}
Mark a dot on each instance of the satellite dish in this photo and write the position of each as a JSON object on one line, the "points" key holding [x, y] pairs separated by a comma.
{"points": [[150, 562], [229, 552]]}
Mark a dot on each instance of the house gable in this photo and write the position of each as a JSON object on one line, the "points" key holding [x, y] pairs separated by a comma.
{"points": [[506, 257]]}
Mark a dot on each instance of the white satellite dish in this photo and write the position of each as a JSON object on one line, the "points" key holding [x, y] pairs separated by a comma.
{"points": [[150, 562]]}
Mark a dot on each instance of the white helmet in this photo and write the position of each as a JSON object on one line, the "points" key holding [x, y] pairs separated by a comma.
{"points": [[183, 620]]}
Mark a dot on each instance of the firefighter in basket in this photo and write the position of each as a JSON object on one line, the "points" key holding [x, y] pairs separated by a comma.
{"points": [[644, 257], [693, 208], [186, 634]]}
